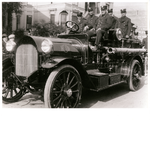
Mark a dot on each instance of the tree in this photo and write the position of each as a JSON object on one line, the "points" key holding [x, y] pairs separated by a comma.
{"points": [[7, 9], [46, 29]]}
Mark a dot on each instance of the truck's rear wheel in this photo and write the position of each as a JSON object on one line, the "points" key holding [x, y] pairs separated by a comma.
{"points": [[134, 80], [63, 88], [12, 90]]}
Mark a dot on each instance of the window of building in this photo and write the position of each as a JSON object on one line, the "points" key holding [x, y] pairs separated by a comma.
{"points": [[74, 18], [18, 22], [63, 18], [29, 22], [52, 18]]}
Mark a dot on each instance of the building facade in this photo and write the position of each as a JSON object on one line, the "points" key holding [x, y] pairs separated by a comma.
{"points": [[57, 13]]}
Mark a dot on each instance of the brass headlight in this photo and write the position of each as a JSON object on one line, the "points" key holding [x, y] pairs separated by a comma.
{"points": [[118, 34], [47, 46]]}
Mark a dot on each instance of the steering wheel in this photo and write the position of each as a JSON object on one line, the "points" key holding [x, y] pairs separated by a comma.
{"points": [[72, 26]]}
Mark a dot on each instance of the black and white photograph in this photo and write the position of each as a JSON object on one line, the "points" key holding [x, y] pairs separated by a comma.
{"points": [[75, 54], [88, 59]]}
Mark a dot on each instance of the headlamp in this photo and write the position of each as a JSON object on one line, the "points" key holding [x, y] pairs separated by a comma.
{"points": [[47, 46], [118, 34], [10, 45]]}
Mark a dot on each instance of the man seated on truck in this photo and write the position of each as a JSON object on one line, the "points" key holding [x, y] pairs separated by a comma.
{"points": [[91, 23], [103, 25], [81, 22]]}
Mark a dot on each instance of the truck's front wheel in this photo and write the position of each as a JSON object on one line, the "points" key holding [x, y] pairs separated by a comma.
{"points": [[12, 90], [134, 80], [63, 88]]}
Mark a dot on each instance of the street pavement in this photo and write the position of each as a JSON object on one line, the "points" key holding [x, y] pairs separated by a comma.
{"points": [[115, 97]]}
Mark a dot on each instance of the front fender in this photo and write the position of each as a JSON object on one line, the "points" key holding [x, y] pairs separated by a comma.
{"points": [[52, 62], [56, 62]]}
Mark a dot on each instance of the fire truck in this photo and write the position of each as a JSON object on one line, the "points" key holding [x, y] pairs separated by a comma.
{"points": [[59, 68]]}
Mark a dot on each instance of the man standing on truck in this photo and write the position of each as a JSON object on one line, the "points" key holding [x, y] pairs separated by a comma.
{"points": [[145, 45], [103, 25], [124, 23], [145, 41]]}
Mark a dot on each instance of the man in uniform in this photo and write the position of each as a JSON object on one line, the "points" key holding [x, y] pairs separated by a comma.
{"points": [[124, 23], [145, 45], [91, 23], [104, 24], [136, 42], [114, 18], [145, 41], [91, 20], [81, 22], [136, 39]]}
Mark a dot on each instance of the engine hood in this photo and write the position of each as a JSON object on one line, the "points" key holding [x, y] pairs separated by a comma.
{"points": [[60, 46], [54, 40]]}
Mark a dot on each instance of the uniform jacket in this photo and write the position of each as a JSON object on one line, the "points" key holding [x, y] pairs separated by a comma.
{"points": [[104, 22], [124, 23], [114, 21], [81, 24], [91, 22]]}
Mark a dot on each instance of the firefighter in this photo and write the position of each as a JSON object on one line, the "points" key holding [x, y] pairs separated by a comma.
{"points": [[133, 31], [114, 18], [103, 25], [91, 21], [145, 41], [81, 22], [145, 45], [136, 40], [124, 23]]}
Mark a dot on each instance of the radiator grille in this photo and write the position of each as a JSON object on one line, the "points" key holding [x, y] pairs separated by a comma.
{"points": [[26, 60]]}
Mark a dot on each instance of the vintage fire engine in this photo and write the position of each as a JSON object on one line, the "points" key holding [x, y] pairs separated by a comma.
{"points": [[59, 68]]}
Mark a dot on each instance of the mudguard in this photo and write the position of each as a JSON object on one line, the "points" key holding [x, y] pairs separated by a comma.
{"points": [[126, 66], [56, 62]]}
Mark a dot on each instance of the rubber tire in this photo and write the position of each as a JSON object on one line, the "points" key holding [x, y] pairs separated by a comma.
{"points": [[50, 81], [16, 98], [130, 83]]}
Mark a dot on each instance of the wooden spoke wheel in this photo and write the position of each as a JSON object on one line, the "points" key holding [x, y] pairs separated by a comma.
{"points": [[135, 76], [63, 88], [12, 90]]}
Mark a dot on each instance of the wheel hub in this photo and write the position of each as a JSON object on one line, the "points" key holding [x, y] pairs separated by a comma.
{"points": [[68, 92]]}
